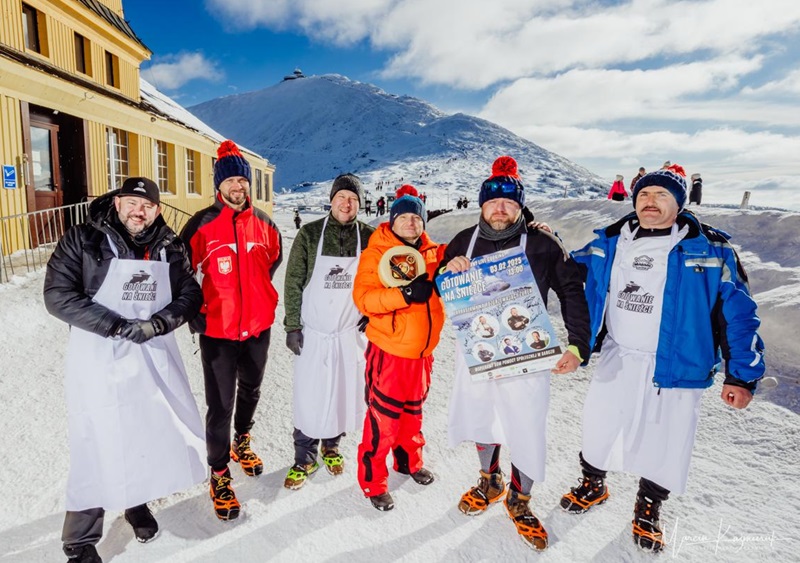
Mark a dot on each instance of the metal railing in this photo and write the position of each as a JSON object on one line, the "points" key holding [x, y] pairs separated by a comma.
{"points": [[28, 239]]}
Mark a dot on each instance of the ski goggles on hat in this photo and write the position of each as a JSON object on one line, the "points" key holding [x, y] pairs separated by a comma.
{"points": [[506, 186]]}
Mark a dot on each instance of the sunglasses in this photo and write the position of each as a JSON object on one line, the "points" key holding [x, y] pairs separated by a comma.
{"points": [[503, 187]]}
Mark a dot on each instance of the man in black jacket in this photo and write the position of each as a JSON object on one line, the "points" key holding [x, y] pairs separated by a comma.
{"points": [[123, 283], [513, 411]]}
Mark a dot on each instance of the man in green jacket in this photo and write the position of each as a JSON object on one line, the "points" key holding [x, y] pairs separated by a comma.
{"points": [[324, 331]]}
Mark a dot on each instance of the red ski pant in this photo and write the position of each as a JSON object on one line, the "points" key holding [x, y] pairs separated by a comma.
{"points": [[396, 388]]}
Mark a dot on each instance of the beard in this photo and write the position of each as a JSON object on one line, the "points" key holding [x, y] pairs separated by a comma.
{"points": [[235, 198], [500, 222]]}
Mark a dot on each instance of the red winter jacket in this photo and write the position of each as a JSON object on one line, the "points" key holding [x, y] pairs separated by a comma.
{"points": [[235, 254]]}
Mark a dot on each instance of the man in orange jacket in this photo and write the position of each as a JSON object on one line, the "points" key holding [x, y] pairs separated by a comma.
{"points": [[406, 320]]}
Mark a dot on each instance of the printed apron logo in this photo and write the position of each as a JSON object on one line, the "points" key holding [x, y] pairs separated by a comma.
{"points": [[137, 289], [225, 265], [337, 280], [629, 299], [643, 263]]}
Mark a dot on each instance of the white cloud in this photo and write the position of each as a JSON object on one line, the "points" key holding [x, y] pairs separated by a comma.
{"points": [[609, 84], [173, 71]]}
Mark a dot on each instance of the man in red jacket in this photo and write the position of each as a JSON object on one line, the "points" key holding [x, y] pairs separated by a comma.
{"points": [[235, 250]]}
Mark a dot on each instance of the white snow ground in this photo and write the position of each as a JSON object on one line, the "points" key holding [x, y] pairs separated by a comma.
{"points": [[742, 504]]}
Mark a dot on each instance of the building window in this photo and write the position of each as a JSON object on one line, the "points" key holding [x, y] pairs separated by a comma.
{"points": [[117, 146], [83, 63], [161, 161], [112, 70], [259, 184], [34, 28], [191, 171], [268, 188]]}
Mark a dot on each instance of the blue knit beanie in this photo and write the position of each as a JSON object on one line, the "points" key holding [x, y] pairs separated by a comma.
{"points": [[407, 202], [230, 162], [507, 187], [667, 179]]}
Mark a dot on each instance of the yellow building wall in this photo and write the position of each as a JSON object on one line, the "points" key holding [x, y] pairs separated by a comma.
{"points": [[12, 235]]}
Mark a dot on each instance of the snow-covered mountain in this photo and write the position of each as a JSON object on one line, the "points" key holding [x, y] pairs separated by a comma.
{"points": [[315, 128]]}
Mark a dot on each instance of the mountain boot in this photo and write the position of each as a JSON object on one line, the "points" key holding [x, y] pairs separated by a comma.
{"points": [[242, 454], [382, 502], [144, 525], [528, 526], [82, 554], [646, 526], [226, 507], [334, 462], [591, 491], [298, 475], [490, 489], [423, 477]]}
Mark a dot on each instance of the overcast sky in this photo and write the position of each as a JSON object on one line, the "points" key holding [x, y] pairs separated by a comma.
{"points": [[611, 85]]}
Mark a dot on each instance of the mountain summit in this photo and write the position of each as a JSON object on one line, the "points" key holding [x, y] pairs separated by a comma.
{"points": [[316, 128]]}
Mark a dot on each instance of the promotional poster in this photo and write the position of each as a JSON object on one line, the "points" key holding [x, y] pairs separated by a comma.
{"points": [[500, 320]]}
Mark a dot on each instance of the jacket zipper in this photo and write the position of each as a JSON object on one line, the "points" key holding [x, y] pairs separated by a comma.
{"points": [[430, 329], [239, 270]]}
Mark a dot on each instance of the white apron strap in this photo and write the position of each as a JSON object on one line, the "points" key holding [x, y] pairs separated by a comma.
{"points": [[523, 242], [162, 254], [322, 237]]}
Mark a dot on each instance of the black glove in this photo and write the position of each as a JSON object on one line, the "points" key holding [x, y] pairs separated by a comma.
{"points": [[294, 341], [141, 331], [362, 323], [419, 290]]}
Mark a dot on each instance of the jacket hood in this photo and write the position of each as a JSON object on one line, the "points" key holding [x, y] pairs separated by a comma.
{"points": [[387, 238], [102, 211]]}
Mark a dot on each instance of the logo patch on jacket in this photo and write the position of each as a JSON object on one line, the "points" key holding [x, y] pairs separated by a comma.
{"points": [[225, 265], [643, 263]]}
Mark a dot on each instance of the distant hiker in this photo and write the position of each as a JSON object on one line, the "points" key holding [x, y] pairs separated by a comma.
{"points": [[459, 204], [403, 330], [696, 195], [123, 284], [323, 332], [513, 412], [636, 178], [466, 203], [617, 191], [381, 206], [368, 207], [297, 220], [236, 248], [669, 301]]}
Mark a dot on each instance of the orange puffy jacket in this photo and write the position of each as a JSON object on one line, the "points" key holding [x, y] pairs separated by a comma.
{"points": [[408, 331]]}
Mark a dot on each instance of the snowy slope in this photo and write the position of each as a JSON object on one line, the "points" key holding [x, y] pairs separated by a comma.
{"points": [[741, 505], [318, 127]]}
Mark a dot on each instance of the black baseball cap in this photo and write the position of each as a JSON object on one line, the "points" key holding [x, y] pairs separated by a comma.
{"points": [[141, 187]]}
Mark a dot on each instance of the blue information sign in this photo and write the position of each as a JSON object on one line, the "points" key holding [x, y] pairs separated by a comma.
{"points": [[9, 177]]}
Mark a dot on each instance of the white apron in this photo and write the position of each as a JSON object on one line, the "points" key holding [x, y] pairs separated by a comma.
{"points": [[135, 433], [511, 411], [628, 423], [329, 372]]}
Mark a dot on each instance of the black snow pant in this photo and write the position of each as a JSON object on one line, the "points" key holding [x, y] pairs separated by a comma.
{"points": [[83, 527], [647, 488], [233, 371], [305, 448]]}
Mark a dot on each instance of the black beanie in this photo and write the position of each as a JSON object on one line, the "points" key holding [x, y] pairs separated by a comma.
{"points": [[349, 182]]}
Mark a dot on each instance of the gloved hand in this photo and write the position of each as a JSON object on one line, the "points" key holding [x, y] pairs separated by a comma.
{"points": [[362, 323], [419, 290], [139, 331], [294, 341]]}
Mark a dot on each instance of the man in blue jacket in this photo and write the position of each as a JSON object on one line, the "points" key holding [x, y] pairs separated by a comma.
{"points": [[668, 300]]}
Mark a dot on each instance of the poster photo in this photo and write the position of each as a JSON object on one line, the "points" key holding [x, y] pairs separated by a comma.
{"points": [[501, 324]]}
